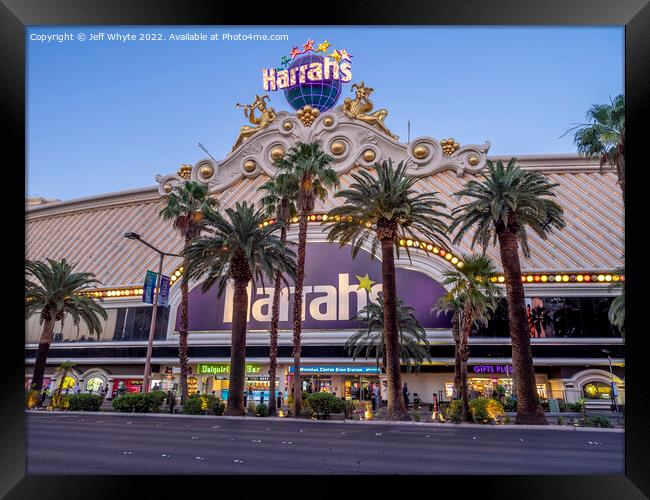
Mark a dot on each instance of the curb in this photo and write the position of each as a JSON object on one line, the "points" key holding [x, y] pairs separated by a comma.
{"points": [[549, 427]]}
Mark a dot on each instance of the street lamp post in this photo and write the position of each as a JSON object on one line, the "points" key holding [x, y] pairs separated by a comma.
{"points": [[154, 314], [611, 373]]}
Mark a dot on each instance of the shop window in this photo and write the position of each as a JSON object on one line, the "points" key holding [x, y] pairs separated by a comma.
{"points": [[133, 323], [569, 317], [94, 384], [449, 390], [541, 391], [192, 385], [597, 390]]}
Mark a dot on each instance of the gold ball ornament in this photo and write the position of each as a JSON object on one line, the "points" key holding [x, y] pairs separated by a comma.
{"points": [[369, 155], [473, 160], [167, 188], [206, 171], [287, 125], [328, 121], [337, 147], [420, 151], [250, 165], [277, 152]]}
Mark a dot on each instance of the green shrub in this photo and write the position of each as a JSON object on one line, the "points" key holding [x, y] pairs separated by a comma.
{"points": [[417, 417], [193, 405], [324, 403], [261, 410], [216, 406], [32, 399], [155, 400], [198, 404], [544, 404], [510, 404], [598, 421], [485, 409], [454, 410], [506, 419], [137, 402], [578, 406], [85, 402]]}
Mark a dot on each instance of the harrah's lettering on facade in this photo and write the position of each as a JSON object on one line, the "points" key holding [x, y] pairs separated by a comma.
{"points": [[317, 72], [331, 298]]}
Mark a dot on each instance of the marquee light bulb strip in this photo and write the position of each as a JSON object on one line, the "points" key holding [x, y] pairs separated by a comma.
{"points": [[428, 247]]}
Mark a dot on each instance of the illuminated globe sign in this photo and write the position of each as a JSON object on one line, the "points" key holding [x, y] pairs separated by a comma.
{"points": [[311, 76]]}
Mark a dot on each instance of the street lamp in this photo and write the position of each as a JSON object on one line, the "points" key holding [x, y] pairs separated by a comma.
{"points": [[611, 390], [154, 316]]}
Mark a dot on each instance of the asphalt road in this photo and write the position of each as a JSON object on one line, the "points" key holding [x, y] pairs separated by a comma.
{"points": [[102, 444]]}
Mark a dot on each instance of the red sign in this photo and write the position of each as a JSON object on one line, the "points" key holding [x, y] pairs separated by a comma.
{"points": [[46, 383], [130, 385]]}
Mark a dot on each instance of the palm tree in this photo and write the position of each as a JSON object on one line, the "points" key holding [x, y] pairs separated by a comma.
{"points": [[187, 205], [413, 343], [381, 209], [54, 290], [62, 370], [616, 313], [503, 204], [603, 137], [451, 304], [309, 166], [477, 296], [279, 203], [240, 249]]}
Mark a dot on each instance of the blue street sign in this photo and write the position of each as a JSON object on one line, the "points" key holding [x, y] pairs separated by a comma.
{"points": [[163, 295], [149, 286]]}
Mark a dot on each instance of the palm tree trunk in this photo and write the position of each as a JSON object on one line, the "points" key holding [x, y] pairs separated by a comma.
{"points": [[41, 355], [235, 405], [463, 354], [620, 167], [182, 334], [455, 332], [529, 410], [297, 313], [275, 319], [396, 407]]}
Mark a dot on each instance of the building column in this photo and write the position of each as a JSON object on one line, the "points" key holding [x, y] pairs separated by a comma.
{"points": [[109, 392]]}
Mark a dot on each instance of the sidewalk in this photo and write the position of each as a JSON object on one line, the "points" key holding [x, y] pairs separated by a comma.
{"points": [[426, 423]]}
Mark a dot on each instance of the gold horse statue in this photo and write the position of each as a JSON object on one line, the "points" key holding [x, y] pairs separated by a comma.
{"points": [[267, 115], [361, 106]]}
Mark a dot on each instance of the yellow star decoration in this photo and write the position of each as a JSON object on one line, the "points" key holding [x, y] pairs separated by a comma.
{"points": [[322, 47], [365, 283], [336, 55]]}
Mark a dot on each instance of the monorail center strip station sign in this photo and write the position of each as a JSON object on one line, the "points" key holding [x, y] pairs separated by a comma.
{"points": [[336, 369]]}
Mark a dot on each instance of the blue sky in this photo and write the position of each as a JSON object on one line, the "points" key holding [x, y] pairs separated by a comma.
{"points": [[106, 116]]}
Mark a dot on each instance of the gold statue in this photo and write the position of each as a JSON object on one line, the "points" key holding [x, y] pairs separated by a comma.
{"points": [[267, 115], [360, 108]]}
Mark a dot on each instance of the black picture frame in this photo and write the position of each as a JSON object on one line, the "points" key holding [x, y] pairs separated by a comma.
{"points": [[16, 15]]}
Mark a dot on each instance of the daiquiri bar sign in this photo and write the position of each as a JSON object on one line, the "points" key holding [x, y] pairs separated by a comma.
{"points": [[332, 295]]}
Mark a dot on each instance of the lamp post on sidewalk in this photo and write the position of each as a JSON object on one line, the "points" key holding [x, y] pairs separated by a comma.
{"points": [[611, 373], [154, 316]]}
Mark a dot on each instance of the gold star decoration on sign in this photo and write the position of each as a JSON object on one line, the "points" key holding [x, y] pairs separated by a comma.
{"points": [[365, 283], [322, 47], [335, 55]]}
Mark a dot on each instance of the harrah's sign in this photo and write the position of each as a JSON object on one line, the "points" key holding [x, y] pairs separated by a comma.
{"points": [[331, 298], [316, 71]]}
